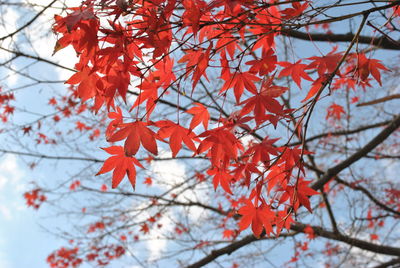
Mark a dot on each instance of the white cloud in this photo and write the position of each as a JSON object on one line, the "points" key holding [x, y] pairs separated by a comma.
{"points": [[11, 201], [8, 24], [11, 187], [43, 40], [4, 261], [172, 172]]}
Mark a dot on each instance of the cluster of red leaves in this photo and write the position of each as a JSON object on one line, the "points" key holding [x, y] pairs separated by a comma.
{"points": [[101, 256], [111, 55], [6, 108], [34, 198], [97, 255], [393, 197], [64, 258], [96, 226]]}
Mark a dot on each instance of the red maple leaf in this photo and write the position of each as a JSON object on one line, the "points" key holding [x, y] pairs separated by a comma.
{"points": [[177, 135], [327, 63], [299, 194], [265, 65], [295, 70], [136, 133], [221, 177], [198, 61], [369, 66], [260, 217], [87, 80], [121, 164], [200, 115], [223, 146], [264, 101], [72, 19], [296, 10], [239, 81], [335, 111], [228, 234], [315, 87]]}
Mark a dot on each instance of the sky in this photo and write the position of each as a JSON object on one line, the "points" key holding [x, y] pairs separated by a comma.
{"points": [[23, 243]]}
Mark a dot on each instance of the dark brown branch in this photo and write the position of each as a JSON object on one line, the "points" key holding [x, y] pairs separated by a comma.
{"points": [[225, 250], [21, 54], [387, 98], [381, 42], [392, 263], [381, 249], [330, 211], [332, 172], [343, 132], [369, 195], [77, 158], [50, 156], [29, 22]]}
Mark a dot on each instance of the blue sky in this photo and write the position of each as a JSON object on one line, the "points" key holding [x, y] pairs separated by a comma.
{"points": [[23, 243]]}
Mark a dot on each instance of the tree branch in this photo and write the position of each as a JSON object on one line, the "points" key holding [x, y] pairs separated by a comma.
{"points": [[332, 172], [381, 42], [299, 227], [381, 249], [29, 22]]}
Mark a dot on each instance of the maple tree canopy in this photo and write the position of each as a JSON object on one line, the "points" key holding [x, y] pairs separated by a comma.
{"points": [[261, 101]]}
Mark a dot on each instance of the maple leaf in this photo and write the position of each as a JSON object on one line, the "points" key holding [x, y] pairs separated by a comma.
{"points": [[239, 81], [228, 234], [264, 101], [121, 164], [369, 66], [327, 63], [335, 111], [116, 120], [201, 115], [283, 220], [299, 194], [295, 70], [296, 10], [148, 181], [262, 151], [221, 177], [72, 19], [136, 133], [87, 81], [260, 217], [194, 10], [177, 135], [309, 231], [316, 86], [198, 61], [27, 130], [144, 228], [265, 65], [223, 146]]}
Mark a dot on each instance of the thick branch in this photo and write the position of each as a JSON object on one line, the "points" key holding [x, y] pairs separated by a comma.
{"points": [[222, 251], [342, 132], [369, 195], [381, 42], [332, 172], [298, 227], [28, 23], [390, 263], [381, 249], [21, 54]]}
